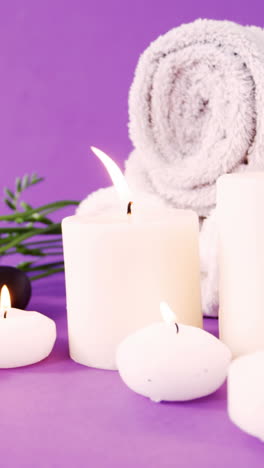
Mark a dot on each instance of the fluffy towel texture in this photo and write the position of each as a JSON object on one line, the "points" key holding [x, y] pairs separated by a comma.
{"points": [[196, 112]]}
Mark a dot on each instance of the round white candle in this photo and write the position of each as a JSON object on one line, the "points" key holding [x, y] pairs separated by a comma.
{"points": [[171, 362], [25, 337], [118, 268], [246, 393], [240, 213]]}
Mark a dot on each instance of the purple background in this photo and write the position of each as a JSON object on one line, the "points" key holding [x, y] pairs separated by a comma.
{"points": [[65, 70], [66, 67]]}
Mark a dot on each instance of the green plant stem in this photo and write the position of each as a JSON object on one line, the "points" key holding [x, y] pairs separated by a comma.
{"points": [[51, 206], [38, 244], [45, 247], [42, 254], [35, 246], [49, 241], [18, 239], [47, 273], [11, 230], [41, 219], [4, 240], [53, 254], [27, 222], [7, 230], [14, 252], [44, 266]]}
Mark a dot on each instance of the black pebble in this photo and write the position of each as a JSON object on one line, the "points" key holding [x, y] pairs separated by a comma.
{"points": [[18, 284]]}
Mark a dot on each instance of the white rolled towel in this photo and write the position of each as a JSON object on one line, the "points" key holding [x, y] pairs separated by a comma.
{"points": [[196, 112]]}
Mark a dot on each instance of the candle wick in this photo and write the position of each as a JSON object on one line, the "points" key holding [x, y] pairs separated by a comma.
{"points": [[5, 313], [177, 327], [129, 211]]}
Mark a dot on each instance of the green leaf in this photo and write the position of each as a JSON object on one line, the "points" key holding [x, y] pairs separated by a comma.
{"points": [[18, 239], [46, 266], [19, 220], [10, 204], [36, 181], [34, 176], [47, 273], [9, 193], [24, 265], [26, 206], [13, 236], [43, 220], [33, 252], [25, 182], [18, 185], [46, 209], [14, 230]]}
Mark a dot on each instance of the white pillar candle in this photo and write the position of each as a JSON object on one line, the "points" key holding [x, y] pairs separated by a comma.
{"points": [[25, 337], [117, 269], [245, 391], [166, 361], [240, 213]]}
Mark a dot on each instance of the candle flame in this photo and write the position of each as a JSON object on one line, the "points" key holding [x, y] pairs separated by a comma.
{"points": [[5, 300], [115, 173], [167, 314]]}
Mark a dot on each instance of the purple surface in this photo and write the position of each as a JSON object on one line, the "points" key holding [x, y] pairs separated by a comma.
{"points": [[66, 68], [60, 414]]}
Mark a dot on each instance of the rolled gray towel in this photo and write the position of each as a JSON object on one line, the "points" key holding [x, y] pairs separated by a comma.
{"points": [[196, 112]]}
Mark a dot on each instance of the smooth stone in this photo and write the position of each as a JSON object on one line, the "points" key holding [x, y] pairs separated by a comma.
{"points": [[18, 284]]}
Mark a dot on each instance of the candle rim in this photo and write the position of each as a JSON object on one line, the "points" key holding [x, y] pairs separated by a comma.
{"points": [[171, 217], [243, 176]]}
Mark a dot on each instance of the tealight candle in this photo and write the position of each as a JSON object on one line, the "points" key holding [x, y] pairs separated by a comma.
{"points": [[118, 267], [245, 393], [172, 362], [25, 337]]}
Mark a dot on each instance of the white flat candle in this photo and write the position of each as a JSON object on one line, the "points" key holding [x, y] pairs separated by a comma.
{"points": [[25, 337], [172, 362]]}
